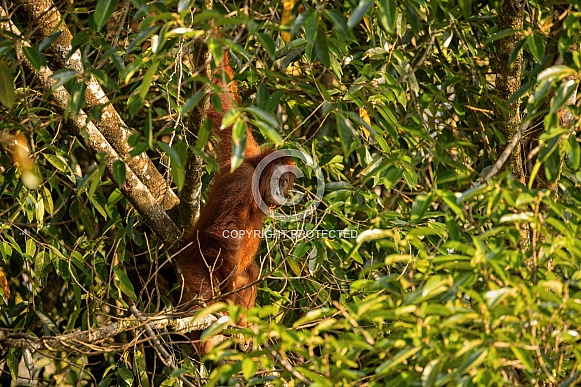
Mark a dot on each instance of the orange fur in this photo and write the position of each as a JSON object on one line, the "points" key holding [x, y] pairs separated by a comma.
{"points": [[214, 265]]}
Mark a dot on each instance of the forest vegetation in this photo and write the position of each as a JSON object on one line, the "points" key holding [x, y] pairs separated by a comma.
{"points": [[438, 241]]}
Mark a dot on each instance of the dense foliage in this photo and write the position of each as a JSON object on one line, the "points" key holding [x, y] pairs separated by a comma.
{"points": [[456, 273]]}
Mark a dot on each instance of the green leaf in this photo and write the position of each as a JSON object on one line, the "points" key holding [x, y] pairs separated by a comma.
{"points": [[370, 235], [522, 90], [474, 360], [7, 95], [47, 322], [494, 297], [420, 206], [345, 132], [453, 229], [553, 166], [230, 117], [124, 284], [173, 155], [47, 199], [430, 373], [30, 247], [76, 98], [148, 129], [119, 172], [516, 51], [140, 366], [147, 80], [338, 20], [271, 134], [310, 26], [399, 357], [523, 356], [564, 91], [179, 176], [501, 35], [537, 98], [552, 139], [192, 102], [322, 48], [137, 40], [450, 199], [63, 76], [34, 56], [79, 38], [301, 19], [203, 135], [358, 13], [388, 15], [12, 361], [39, 210], [103, 12], [215, 48], [466, 7], [183, 5], [126, 375], [249, 367], [216, 328], [555, 73], [365, 236], [273, 101], [574, 155], [268, 44], [391, 176], [238, 144], [49, 40], [58, 162], [536, 46], [262, 115]]}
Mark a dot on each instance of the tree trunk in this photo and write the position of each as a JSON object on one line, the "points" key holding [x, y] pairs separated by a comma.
{"points": [[508, 79]]}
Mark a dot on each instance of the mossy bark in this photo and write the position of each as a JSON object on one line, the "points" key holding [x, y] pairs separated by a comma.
{"points": [[508, 79], [47, 19], [133, 189], [190, 195]]}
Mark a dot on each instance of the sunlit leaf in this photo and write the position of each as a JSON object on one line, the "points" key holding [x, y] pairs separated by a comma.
{"points": [[103, 12], [7, 94], [147, 80], [359, 12], [420, 206], [536, 47], [387, 14], [574, 155], [238, 144], [124, 284]]}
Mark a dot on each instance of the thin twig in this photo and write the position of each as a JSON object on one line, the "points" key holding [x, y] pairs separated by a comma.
{"points": [[166, 358], [508, 150]]}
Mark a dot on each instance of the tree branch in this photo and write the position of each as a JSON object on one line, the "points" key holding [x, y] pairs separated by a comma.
{"points": [[79, 341], [190, 194], [166, 358], [133, 188], [48, 19]]}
